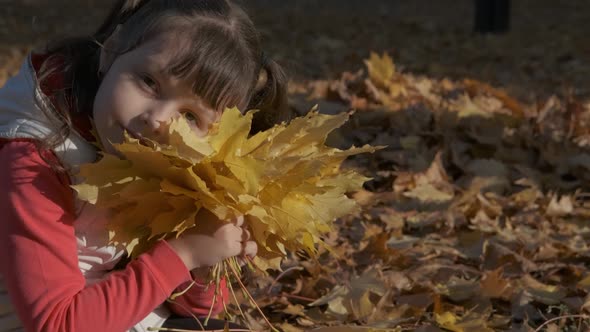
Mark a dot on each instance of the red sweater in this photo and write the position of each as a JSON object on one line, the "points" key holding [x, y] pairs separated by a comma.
{"points": [[40, 266], [39, 260]]}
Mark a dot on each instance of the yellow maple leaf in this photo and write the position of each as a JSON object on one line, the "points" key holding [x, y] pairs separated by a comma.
{"points": [[381, 69], [285, 181], [470, 322]]}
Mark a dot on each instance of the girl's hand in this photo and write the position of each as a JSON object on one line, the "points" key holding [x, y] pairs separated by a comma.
{"points": [[250, 249], [249, 252], [212, 241]]}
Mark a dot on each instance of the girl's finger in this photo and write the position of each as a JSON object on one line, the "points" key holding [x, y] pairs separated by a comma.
{"points": [[245, 235], [250, 249], [238, 233], [239, 221]]}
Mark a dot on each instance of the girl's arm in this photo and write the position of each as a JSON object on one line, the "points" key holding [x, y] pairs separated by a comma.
{"points": [[39, 262]]}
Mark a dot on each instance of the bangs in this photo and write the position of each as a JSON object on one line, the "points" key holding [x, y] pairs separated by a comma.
{"points": [[217, 65], [216, 52]]}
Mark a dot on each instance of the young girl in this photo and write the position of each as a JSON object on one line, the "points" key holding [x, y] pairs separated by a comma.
{"points": [[151, 61]]}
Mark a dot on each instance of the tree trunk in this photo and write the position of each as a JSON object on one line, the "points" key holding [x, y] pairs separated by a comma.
{"points": [[492, 16]]}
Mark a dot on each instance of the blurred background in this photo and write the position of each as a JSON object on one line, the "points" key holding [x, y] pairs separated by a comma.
{"points": [[545, 51]]}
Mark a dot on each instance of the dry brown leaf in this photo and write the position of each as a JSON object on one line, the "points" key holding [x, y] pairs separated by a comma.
{"points": [[546, 294], [493, 285]]}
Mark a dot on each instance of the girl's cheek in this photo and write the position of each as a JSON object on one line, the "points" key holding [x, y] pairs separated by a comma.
{"points": [[128, 104], [199, 132]]}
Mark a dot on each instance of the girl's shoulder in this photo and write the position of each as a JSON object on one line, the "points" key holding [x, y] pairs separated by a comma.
{"points": [[20, 102], [26, 109], [24, 158], [25, 148]]}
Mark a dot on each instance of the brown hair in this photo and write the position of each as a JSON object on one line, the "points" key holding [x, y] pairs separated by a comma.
{"points": [[222, 57]]}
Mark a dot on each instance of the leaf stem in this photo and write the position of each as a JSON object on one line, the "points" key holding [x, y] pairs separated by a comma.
{"points": [[167, 329], [303, 298], [538, 329], [217, 277], [188, 310], [292, 268], [235, 273], [175, 295], [233, 293]]}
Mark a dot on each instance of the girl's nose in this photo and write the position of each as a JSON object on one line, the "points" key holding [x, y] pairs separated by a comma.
{"points": [[158, 118]]}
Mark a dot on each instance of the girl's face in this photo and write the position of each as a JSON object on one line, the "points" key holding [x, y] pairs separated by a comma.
{"points": [[138, 95]]}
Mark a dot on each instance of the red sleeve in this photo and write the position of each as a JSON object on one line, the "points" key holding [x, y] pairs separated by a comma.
{"points": [[39, 260], [198, 299]]}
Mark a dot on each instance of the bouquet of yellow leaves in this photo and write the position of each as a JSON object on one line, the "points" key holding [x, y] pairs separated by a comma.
{"points": [[285, 182]]}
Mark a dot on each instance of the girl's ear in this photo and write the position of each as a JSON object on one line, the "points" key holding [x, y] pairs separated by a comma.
{"points": [[108, 51]]}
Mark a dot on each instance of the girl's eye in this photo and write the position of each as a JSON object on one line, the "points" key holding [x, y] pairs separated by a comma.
{"points": [[191, 118], [149, 83]]}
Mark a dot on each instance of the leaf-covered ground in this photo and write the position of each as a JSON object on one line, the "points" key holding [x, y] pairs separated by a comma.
{"points": [[477, 215], [476, 219]]}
